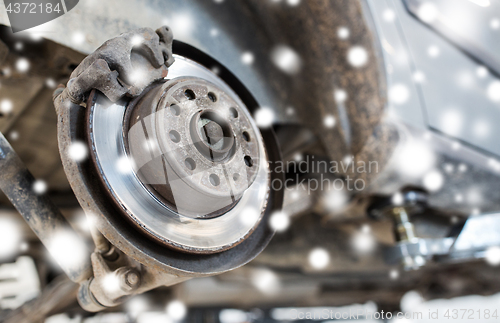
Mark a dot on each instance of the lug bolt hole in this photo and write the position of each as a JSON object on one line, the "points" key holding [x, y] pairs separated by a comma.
{"points": [[190, 94], [212, 96], [214, 180], [175, 109], [233, 113], [190, 163], [174, 136], [246, 136], [248, 161]]}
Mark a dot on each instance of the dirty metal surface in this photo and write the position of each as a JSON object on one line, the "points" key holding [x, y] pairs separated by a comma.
{"points": [[186, 232], [124, 236]]}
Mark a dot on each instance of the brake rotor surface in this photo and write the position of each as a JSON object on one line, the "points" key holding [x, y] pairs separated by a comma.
{"points": [[185, 161]]}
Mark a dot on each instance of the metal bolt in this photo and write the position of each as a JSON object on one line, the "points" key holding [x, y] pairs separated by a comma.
{"points": [[132, 279], [404, 227]]}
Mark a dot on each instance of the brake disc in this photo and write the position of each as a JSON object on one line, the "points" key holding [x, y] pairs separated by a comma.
{"points": [[179, 177], [184, 162]]}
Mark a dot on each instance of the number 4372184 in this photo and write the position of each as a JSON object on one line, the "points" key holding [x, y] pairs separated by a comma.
{"points": [[470, 314], [26, 7]]}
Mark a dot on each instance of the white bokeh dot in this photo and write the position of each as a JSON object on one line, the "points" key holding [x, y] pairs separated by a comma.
{"points": [[343, 32], [335, 199], [111, 283], [286, 59], [298, 157], [451, 122], [357, 56], [78, 151], [340, 96], [124, 165], [329, 121], [22, 65], [6, 106], [293, 3], [495, 24], [494, 91], [493, 256], [433, 51], [265, 280], [214, 32], [363, 242], [51, 83], [14, 135], [389, 15], [411, 301], [399, 94], [264, 117], [39, 187], [419, 77], [279, 221], [397, 198], [78, 38], [215, 70], [415, 158], [481, 128], [137, 40], [481, 72], [449, 168], [427, 12], [249, 216], [10, 237], [319, 258], [247, 58], [137, 305], [176, 310], [433, 181], [394, 274]]}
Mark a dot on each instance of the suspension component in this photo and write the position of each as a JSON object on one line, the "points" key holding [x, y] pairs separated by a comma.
{"points": [[43, 217], [178, 178], [410, 250]]}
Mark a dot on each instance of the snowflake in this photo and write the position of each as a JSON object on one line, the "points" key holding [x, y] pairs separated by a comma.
{"points": [[286, 59], [247, 58], [357, 56], [319, 258]]}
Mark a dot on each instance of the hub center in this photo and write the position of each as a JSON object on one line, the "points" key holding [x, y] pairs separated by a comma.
{"points": [[212, 135]]}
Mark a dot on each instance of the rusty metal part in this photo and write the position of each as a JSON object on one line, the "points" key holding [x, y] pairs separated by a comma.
{"points": [[111, 286], [162, 265], [31, 125], [220, 132], [42, 215], [180, 164], [325, 69], [399, 208], [123, 65]]}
